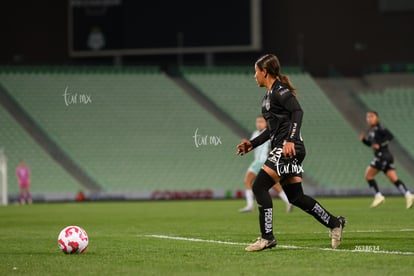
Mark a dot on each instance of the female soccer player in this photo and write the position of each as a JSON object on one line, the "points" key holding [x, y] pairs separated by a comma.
{"points": [[260, 155], [378, 138], [283, 114]]}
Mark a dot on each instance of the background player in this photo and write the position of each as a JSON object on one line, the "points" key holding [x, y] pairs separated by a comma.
{"points": [[23, 178], [260, 155], [378, 138]]}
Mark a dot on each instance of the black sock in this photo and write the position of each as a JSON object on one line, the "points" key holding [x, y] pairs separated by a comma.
{"points": [[295, 194], [401, 186], [373, 185], [260, 188]]}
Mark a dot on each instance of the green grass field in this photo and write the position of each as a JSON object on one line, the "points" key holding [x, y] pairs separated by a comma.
{"points": [[138, 238]]}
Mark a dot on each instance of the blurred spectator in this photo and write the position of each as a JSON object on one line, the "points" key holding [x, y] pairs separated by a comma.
{"points": [[80, 196]]}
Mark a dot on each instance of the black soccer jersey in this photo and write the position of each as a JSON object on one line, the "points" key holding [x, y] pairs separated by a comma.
{"points": [[283, 114], [381, 136]]}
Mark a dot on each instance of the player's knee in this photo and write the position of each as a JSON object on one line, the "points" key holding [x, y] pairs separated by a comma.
{"points": [[262, 183], [294, 192], [369, 176], [296, 200]]}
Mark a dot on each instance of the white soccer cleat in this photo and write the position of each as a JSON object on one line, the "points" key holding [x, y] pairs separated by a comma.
{"points": [[377, 201], [336, 233], [289, 208], [246, 209], [410, 200], [261, 244]]}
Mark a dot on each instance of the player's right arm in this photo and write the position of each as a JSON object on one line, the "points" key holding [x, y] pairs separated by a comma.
{"points": [[364, 140], [248, 145], [260, 139], [244, 147]]}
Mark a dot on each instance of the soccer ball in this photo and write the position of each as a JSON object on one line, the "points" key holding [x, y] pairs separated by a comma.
{"points": [[73, 240]]}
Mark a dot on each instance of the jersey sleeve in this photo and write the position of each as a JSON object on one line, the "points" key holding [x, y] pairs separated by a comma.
{"points": [[289, 101], [263, 137], [262, 152], [366, 142], [254, 134], [386, 137]]}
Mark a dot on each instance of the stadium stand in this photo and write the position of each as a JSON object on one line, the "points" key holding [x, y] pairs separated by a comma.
{"points": [[336, 159], [136, 131]]}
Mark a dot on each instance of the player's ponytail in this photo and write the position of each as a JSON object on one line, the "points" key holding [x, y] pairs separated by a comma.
{"points": [[272, 65], [285, 79]]}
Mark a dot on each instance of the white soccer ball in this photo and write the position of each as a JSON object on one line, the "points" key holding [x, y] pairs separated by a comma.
{"points": [[73, 240]]}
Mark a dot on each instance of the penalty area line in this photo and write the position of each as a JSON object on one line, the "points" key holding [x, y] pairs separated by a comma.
{"points": [[279, 246]]}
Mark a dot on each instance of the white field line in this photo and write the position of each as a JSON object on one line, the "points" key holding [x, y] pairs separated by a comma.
{"points": [[280, 246], [360, 231]]}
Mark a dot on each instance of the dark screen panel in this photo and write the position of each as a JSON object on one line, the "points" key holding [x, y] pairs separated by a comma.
{"points": [[128, 25]]}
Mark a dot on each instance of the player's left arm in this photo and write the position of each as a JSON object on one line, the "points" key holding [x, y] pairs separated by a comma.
{"points": [[386, 137], [291, 104], [388, 134]]}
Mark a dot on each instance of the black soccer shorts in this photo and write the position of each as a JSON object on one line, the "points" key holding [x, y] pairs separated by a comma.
{"points": [[286, 166]]}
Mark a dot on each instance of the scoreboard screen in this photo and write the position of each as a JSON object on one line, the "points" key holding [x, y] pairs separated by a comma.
{"points": [[130, 27]]}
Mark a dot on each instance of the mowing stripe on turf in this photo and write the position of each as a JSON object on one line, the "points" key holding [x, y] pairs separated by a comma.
{"points": [[281, 246]]}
